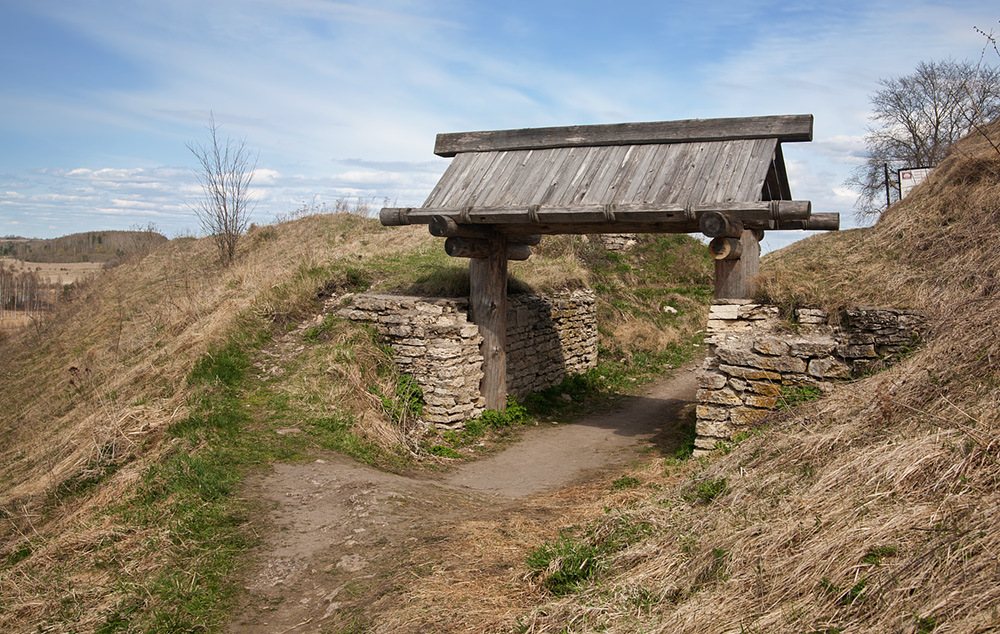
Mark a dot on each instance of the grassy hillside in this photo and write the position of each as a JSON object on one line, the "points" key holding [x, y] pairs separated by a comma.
{"points": [[133, 412], [91, 246], [874, 510]]}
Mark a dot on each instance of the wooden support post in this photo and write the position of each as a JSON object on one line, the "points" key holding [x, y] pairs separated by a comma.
{"points": [[734, 278], [488, 305]]}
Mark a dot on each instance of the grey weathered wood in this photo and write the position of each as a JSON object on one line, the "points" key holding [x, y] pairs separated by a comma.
{"points": [[726, 248], [761, 214], [815, 222], [781, 127], [478, 248], [734, 279], [716, 224], [488, 308]]}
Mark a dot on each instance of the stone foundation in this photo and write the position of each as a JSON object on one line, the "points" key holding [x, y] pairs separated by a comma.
{"points": [[759, 362], [433, 341]]}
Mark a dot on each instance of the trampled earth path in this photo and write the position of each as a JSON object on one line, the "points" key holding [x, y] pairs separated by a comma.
{"points": [[342, 538]]}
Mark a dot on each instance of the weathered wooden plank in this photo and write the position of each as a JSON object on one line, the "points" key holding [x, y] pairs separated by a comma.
{"points": [[560, 182], [622, 177], [732, 161], [597, 192], [637, 181], [728, 187], [578, 185], [781, 127], [535, 192], [751, 182], [734, 278], [713, 155], [449, 180], [677, 178], [488, 308]]}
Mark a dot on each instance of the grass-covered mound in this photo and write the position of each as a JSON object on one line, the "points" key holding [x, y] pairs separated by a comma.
{"points": [[130, 416]]}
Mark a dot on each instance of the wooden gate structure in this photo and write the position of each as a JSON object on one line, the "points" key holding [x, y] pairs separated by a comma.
{"points": [[504, 189]]}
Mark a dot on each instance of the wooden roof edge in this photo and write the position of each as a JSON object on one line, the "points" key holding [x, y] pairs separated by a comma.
{"points": [[797, 127]]}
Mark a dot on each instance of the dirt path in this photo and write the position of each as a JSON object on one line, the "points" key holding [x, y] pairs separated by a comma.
{"points": [[343, 536]]}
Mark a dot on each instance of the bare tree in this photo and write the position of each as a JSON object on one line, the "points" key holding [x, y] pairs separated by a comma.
{"points": [[225, 170], [916, 118]]}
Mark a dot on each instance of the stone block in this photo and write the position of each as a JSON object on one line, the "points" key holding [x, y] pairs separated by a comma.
{"points": [[725, 396], [711, 412], [863, 351], [724, 311], [751, 374], [771, 346], [811, 316], [741, 416], [763, 402], [815, 346], [829, 368], [718, 429], [711, 381], [746, 358], [764, 388]]}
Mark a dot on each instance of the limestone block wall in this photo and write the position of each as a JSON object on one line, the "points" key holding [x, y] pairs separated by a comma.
{"points": [[548, 338], [757, 361], [433, 340]]}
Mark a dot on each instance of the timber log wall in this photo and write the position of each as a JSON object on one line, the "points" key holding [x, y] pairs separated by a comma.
{"points": [[758, 362], [433, 340]]}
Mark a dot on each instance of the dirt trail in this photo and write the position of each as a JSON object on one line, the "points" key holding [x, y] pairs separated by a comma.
{"points": [[342, 536]]}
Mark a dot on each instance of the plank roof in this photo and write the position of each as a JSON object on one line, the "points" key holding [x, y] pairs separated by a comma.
{"points": [[668, 164]]}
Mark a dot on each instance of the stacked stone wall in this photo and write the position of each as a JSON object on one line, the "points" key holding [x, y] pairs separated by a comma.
{"points": [[433, 341], [548, 338], [758, 361]]}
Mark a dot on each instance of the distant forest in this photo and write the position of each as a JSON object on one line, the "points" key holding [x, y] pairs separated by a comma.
{"points": [[92, 246]]}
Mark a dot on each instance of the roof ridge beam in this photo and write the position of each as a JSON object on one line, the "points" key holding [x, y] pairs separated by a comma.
{"points": [[797, 127]]}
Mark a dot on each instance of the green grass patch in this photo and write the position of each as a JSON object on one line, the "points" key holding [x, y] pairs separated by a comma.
{"points": [[705, 491], [792, 395], [625, 482]]}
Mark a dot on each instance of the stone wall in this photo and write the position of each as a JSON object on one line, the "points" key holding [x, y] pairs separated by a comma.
{"points": [[433, 340], [758, 362]]}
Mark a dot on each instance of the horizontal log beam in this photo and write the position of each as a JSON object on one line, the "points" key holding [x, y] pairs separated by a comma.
{"points": [[479, 248], [815, 222], [781, 127], [759, 214], [445, 227]]}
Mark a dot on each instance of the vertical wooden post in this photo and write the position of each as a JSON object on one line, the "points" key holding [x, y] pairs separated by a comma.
{"points": [[488, 305], [734, 278]]}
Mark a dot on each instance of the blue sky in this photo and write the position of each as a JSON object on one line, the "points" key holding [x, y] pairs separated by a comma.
{"points": [[344, 99]]}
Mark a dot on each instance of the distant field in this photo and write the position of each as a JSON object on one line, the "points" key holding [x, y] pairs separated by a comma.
{"points": [[55, 272], [11, 320]]}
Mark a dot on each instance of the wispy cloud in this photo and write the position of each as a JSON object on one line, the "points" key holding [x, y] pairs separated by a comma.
{"points": [[311, 82]]}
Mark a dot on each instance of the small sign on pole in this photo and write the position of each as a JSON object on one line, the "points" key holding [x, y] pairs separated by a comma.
{"points": [[910, 178]]}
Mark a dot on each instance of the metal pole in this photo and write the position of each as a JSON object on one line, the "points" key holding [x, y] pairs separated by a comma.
{"points": [[888, 201]]}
